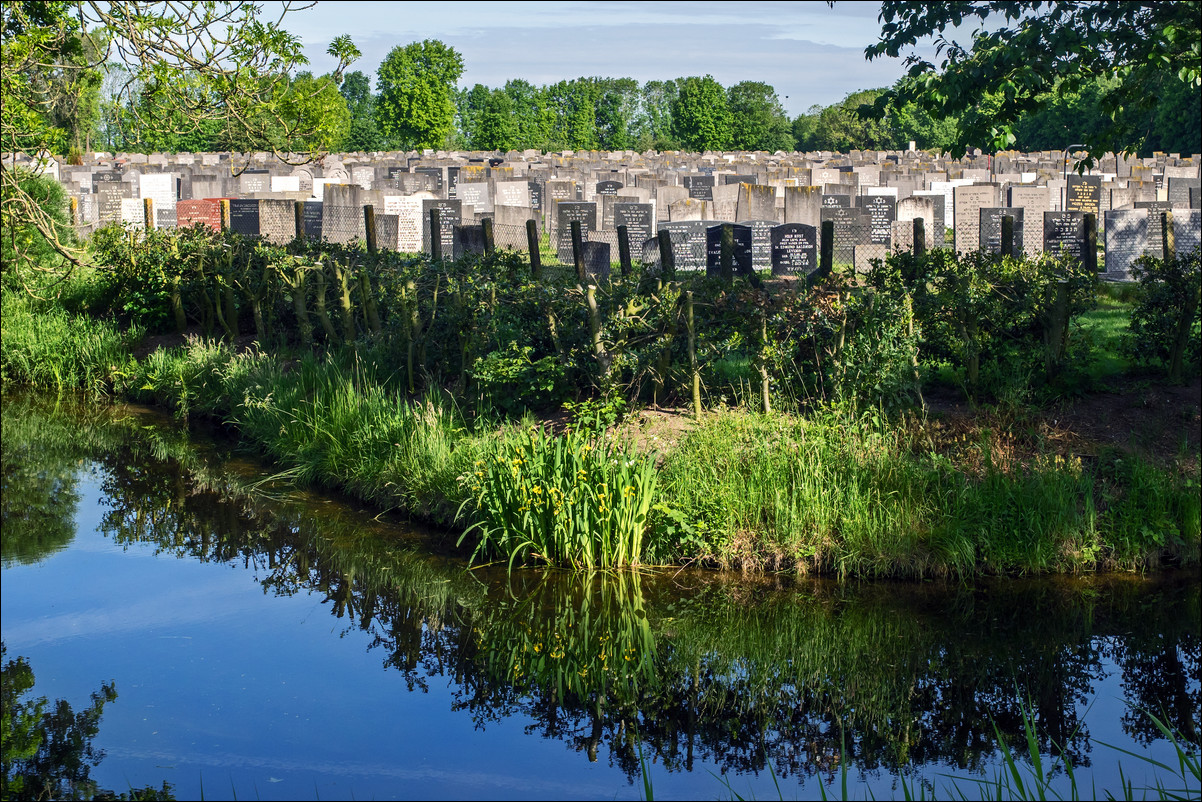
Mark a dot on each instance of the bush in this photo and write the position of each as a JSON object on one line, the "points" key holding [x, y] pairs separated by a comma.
{"points": [[25, 253], [1166, 324]]}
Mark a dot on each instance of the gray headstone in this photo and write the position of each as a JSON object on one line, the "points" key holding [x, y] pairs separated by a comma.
{"points": [[1126, 239], [969, 202]]}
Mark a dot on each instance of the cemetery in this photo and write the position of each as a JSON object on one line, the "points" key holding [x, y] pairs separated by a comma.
{"points": [[619, 284], [641, 435]]}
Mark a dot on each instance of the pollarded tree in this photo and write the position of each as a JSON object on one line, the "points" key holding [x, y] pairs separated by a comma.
{"points": [[701, 114], [416, 105], [1027, 53], [758, 121]]}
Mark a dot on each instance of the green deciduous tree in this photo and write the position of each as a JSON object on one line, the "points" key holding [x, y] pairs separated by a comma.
{"points": [[531, 116], [573, 105], [757, 120], [1026, 53], [416, 105], [364, 134], [653, 122], [701, 117], [617, 105], [495, 129]]}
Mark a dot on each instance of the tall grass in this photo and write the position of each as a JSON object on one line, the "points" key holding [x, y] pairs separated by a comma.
{"points": [[834, 494], [47, 347], [576, 500]]}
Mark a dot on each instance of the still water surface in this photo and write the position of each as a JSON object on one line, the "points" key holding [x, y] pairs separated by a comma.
{"points": [[278, 645]]}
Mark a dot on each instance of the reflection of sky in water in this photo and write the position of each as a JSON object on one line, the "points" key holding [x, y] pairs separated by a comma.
{"points": [[225, 690]]}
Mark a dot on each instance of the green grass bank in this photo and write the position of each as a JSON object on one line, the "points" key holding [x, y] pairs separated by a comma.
{"points": [[828, 491]]}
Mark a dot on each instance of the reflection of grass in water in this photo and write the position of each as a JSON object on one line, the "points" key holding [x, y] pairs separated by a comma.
{"points": [[590, 640], [1030, 780]]}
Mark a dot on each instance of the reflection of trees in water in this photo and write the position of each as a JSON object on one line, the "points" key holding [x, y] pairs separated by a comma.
{"points": [[737, 673], [48, 751]]}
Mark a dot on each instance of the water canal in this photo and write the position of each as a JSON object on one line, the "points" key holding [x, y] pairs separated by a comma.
{"points": [[266, 643]]}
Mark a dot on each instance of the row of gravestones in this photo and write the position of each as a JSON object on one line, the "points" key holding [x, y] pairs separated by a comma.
{"points": [[404, 226]]}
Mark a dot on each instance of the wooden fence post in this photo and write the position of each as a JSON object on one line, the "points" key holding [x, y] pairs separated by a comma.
{"points": [[920, 237], [578, 251], [727, 254], [667, 259], [435, 238], [489, 241], [148, 213], [298, 220], [624, 250], [536, 257], [369, 226]]}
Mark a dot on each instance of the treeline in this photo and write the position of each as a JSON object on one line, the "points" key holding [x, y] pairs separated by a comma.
{"points": [[417, 103]]}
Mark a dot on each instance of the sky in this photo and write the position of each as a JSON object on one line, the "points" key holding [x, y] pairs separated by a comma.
{"points": [[809, 52]]}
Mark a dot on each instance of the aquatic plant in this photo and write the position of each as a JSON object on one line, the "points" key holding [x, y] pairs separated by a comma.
{"points": [[575, 499]]}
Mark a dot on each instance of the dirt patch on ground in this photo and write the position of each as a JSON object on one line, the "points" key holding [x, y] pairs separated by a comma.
{"points": [[1158, 422]]}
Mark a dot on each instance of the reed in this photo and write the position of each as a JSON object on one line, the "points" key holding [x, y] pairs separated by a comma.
{"points": [[576, 499]]}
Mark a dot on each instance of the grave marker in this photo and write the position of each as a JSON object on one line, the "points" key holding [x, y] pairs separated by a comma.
{"points": [[794, 249]]}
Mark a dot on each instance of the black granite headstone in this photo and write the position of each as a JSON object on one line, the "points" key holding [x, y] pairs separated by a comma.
{"points": [[638, 219], [794, 249], [881, 211], [700, 187], [851, 229], [311, 220], [1064, 233], [596, 261], [452, 181], [1084, 194], [244, 216], [536, 195], [761, 242], [990, 231], [713, 249], [568, 211], [688, 243], [434, 171], [836, 201], [609, 187], [469, 240], [450, 215]]}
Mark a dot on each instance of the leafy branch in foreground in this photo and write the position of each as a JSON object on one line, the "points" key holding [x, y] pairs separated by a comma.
{"points": [[180, 65], [1040, 51]]}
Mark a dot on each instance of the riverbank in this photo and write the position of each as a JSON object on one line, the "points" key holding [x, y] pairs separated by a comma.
{"points": [[828, 492]]}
